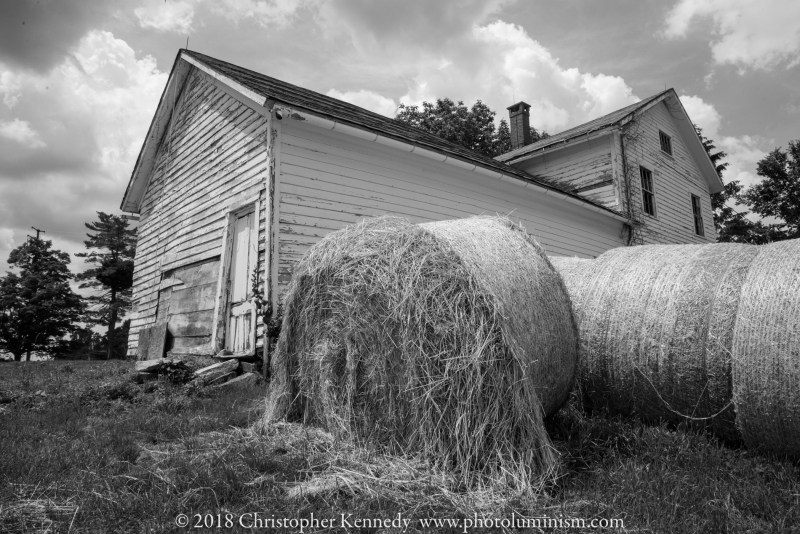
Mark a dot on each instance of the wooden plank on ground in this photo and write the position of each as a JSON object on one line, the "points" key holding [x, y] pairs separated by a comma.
{"points": [[158, 337], [144, 344]]}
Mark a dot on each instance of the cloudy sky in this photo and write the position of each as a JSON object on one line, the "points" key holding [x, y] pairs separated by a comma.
{"points": [[80, 79]]}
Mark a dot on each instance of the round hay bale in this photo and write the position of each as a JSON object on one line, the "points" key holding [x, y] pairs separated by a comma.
{"points": [[447, 339], [656, 328], [570, 267], [766, 351], [575, 273]]}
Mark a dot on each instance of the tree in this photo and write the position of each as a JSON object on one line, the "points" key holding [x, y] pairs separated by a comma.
{"points": [[722, 212], [37, 306], [733, 226], [113, 246], [778, 194], [472, 128]]}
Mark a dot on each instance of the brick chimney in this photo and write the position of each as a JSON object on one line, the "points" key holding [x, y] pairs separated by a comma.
{"points": [[520, 124]]}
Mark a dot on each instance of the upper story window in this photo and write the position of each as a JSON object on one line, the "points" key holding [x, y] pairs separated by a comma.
{"points": [[648, 192], [666, 142], [698, 216]]}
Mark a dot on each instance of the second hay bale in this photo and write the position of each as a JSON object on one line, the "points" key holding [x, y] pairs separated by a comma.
{"points": [[656, 325], [448, 339], [766, 351]]}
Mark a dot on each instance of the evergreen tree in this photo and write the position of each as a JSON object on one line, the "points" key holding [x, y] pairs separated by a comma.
{"points": [[37, 306], [113, 247]]}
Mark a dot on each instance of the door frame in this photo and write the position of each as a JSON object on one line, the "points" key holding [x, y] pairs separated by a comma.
{"points": [[218, 330]]}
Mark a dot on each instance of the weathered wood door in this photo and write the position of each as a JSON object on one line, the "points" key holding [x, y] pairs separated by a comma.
{"points": [[241, 307]]}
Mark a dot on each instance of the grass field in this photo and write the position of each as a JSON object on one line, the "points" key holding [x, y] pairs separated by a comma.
{"points": [[86, 449]]}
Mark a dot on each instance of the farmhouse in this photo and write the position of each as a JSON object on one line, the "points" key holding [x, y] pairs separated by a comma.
{"points": [[241, 173]]}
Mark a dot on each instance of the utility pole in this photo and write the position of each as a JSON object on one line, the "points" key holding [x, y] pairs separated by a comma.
{"points": [[38, 232]]}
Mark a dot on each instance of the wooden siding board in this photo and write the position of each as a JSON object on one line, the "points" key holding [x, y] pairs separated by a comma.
{"points": [[245, 176], [675, 178], [577, 166], [541, 228], [190, 324], [203, 146], [398, 173], [199, 297], [329, 181], [197, 213], [212, 157]]}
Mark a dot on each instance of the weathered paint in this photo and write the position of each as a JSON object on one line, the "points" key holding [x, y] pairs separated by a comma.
{"points": [[594, 169], [219, 154], [675, 178], [187, 308], [240, 315], [213, 156], [329, 180], [585, 167]]}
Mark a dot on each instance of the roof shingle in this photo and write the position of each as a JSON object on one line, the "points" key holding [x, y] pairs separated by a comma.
{"points": [[293, 95]]}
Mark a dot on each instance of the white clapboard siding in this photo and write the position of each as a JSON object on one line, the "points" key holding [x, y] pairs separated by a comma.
{"points": [[675, 179], [213, 156], [581, 166], [329, 180]]}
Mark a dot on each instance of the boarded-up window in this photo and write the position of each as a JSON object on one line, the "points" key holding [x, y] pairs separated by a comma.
{"points": [[648, 193], [698, 216], [186, 304]]}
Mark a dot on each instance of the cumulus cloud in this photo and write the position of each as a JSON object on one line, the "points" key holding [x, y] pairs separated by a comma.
{"points": [[703, 114], [166, 16], [743, 152], [92, 110], [411, 24], [367, 100], [9, 88], [21, 132], [407, 52], [750, 33], [266, 13], [501, 64]]}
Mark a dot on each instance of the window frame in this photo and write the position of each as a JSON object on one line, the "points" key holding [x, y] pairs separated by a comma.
{"points": [[697, 216], [645, 172], [665, 139]]}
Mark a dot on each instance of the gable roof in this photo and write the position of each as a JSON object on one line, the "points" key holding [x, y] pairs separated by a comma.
{"points": [[266, 91], [619, 117], [595, 125]]}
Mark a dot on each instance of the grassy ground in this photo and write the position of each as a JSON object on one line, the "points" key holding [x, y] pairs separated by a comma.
{"points": [[85, 449]]}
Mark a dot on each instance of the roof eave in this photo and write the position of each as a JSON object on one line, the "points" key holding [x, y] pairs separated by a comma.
{"points": [[643, 106], [564, 143], [511, 173], [696, 148], [145, 163], [131, 200]]}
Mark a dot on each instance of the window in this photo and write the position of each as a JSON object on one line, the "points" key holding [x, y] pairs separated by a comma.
{"points": [[648, 193], [698, 216], [666, 142]]}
